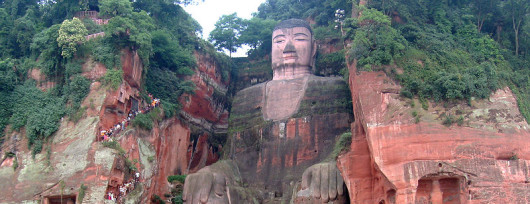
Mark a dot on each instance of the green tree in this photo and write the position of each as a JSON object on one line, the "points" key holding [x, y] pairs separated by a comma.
{"points": [[375, 41], [71, 34], [8, 81], [77, 90], [22, 34], [113, 8], [18, 8], [517, 11], [168, 86], [132, 31], [46, 48], [257, 33], [6, 25], [167, 53], [54, 12], [174, 19], [483, 10], [227, 32]]}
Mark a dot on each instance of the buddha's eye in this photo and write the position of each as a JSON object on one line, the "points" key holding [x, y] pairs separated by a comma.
{"points": [[279, 41], [300, 39]]}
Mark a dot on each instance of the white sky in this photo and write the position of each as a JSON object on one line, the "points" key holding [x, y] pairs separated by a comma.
{"points": [[209, 11]]}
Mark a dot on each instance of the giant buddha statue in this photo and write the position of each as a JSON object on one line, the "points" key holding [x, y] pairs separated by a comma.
{"points": [[281, 133]]}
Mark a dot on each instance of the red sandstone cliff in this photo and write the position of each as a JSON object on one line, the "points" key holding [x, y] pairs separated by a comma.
{"points": [[174, 149], [393, 159], [174, 146]]}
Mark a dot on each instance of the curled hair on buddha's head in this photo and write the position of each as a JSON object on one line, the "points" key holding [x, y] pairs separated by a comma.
{"points": [[293, 23]]}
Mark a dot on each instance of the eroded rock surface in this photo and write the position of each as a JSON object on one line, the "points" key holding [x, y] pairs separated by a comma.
{"points": [[394, 159], [178, 145]]}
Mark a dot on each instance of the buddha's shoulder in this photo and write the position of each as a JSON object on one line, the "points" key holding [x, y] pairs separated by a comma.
{"points": [[326, 80], [254, 90], [325, 84], [249, 99]]}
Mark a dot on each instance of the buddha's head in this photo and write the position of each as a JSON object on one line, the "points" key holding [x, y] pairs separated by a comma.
{"points": [[293, 49]]}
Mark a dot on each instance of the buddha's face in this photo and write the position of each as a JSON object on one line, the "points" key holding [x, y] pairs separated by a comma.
{"points": [[292, 47]]}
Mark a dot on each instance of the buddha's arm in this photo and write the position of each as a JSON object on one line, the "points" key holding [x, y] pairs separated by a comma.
{"points": [[217, 183]]}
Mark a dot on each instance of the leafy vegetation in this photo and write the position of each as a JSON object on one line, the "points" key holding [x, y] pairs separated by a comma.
{"points": [[113, 78], [437, 50], [43, 35], [71, 34], [455, 53], [342, 144], [142, 121], [375, 42], [176, 192], [38, 111], [227, 32], [114, 145], [81, 193], [145, 120], [179, 178]]}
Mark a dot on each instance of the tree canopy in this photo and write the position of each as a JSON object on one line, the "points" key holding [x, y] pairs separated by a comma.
{"points": [[226, 34], [71, 34]]}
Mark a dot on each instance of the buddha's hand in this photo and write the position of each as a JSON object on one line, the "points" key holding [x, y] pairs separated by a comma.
{"points": [[322, 181], [205, 187]]}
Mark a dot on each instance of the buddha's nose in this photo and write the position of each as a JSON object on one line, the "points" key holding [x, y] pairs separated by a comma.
{"points": [[289, 47]]}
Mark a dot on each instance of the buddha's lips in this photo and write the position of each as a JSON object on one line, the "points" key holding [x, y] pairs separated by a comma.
{"points": [[290, 56]]}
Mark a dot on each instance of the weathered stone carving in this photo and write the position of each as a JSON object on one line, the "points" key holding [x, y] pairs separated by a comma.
{"points": [[280, 130]]}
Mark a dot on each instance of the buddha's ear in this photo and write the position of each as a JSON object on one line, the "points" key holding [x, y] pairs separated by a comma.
{"points": [[313, 52]]}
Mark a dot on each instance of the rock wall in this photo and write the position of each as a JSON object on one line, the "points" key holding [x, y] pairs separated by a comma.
{"points": [[177, 145], [396, 159], [70, 159], [207, 107]]}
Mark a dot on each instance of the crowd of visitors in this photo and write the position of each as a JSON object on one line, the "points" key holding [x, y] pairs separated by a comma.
{"points": [[115, 194], [123, 189], [106, 135]]}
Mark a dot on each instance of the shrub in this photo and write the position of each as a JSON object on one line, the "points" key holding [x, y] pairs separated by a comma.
{"points": [[375, 41], [38, 111], [178, 178], [77, 115], [142, 121], [37, 148], [15, 164], [460, 121], [104, 52], [177, 199], [81, 194], [424, 103], [406, 93], [323, 32], [114, 145], [167, 53], [72, 68], [448, 120], [113, 78], [342, 144], [330, 64], [91, 26], [168, 86], [156, 199], [77, 89]]}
